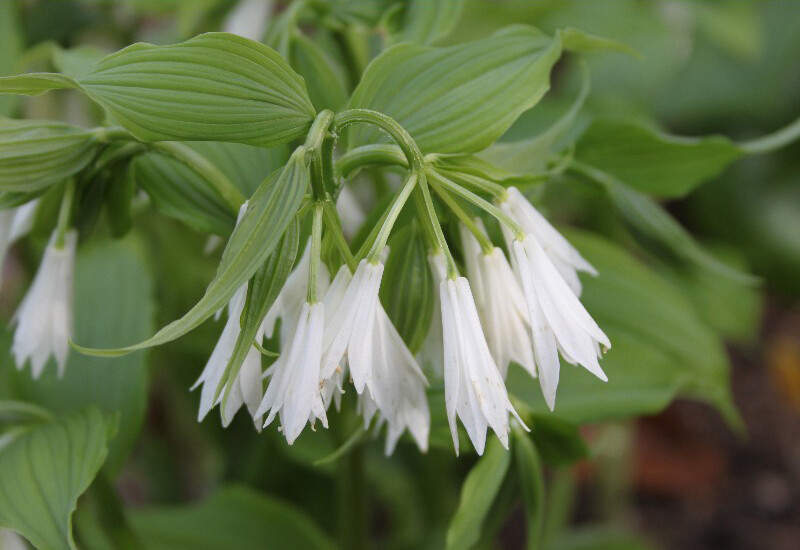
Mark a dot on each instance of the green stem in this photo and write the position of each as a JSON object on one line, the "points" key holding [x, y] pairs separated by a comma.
{"points": [[111, 515], [316, 253], [65, 213], [365, 155], [560, 501], [207, 170], [465, 218], [352, 497], [392, 213], [481, 184], [334, 225], [388, 125], [773, 141], [106, 134], [452, 269]]}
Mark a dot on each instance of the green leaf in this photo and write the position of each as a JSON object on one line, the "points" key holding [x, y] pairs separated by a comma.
{"points": [[531, 484], [35, 83], [262, 290], [121, 190], [11, 45], [558, 441], [270, 210], [425, 22], [407, 290], [578, 41], [233, 517], [36, 154], [653, 162], [660, 347], [458, 99], [113, 303], [245, 165], [44, 470], [477, 495], [214, 87], [325, 79]]}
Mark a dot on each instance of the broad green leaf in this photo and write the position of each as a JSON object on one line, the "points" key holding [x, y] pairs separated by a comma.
{"points": [[660, 347], [530, 155], [461, 98], [531, 484], [233, 517], [578, 41], [407, 290], [325, 79], [477, 496], [246, 166], [44, 470], [113, 304], [599, 538], [425, 22], [11, 46], [262, 290], [653, 162], [271, 208], [214, 87], [36, 154], [35, 83]]}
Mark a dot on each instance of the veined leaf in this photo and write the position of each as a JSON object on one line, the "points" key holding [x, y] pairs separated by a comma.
{"points": [[425, 22], [407, 290], [44, 470], [36, 154], [270, 210], [653, 162], [477, 496], [325, 80], [214, 87], [458, 99]]}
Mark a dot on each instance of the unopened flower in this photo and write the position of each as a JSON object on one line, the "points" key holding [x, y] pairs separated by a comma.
{"points": [[14, 224], [558, 319], [564, 257], [350, 211], [501, 305], [246, 388], [44, 318], [293, 392], [351, 326], [474, 390]]}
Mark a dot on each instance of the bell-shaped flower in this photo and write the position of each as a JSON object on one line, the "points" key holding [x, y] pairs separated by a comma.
{"points": [[501, 305], [293, 392], [332, 386], [558, 319], [473, 387], [44, 318], [14, 224], [247, 387], [564, 257], [350, 330]]}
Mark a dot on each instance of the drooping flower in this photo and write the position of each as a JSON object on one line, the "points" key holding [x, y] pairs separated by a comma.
{"points": [[44, 318], [558, 319], [501, 305], [246, 388], [474, 390], [350, 211], [293, 392], [351, 328], [14, 224], [332, 386], [566, 259]]}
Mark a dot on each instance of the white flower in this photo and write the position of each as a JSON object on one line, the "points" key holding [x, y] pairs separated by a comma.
{"points": [[397, 386], [14, 223], [44, 318], [293, 295], [294, 388], [350, 212], [473, 387], [10, 540], [249, 18], [351, 327], [501, 305], [558, 319], [563, 255], [246, 387], [332, 386]]}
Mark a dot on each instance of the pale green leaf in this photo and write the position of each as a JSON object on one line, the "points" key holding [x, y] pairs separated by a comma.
{"points": [[653, 162], [234, 517], [44, 470], [270, 210], [35, 83], [477, 496], [37, 154], [578, 41], [426, 22], [214, 87], [461, 98]]}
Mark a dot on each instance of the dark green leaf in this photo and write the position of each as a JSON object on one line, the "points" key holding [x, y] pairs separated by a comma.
{"points": [[653, 162], [407, 290], [558, 441], [599, 538], [43, 471], [37, 154], [121, 190], [458, 99], [531, 484], [477, 495], [233, 517]]}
